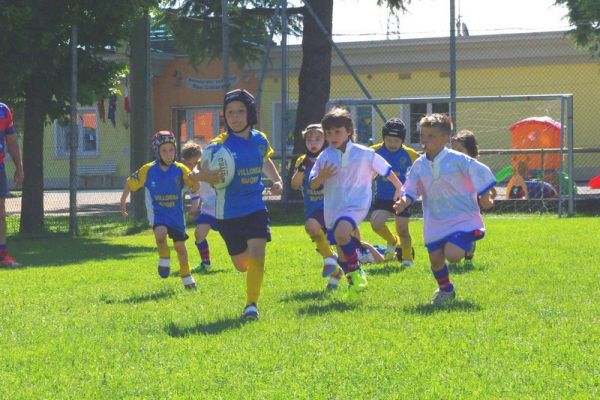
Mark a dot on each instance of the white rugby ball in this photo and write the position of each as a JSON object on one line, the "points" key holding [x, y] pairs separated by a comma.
{"points": [[220, 158]]}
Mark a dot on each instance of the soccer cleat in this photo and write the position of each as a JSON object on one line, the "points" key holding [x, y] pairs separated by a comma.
{"points": [[390, 252], [357, 281], [407, 263], [329, 266], [202, 267], [441, 296], [188, 282], [10, 263], [164, 267], [334, 280], [250, 312]]}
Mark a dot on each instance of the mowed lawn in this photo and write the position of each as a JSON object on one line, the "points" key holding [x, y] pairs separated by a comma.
{"points": [[90, 318]]}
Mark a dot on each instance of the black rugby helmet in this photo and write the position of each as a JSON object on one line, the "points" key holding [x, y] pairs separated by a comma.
{"points": [[245, 97], [394, 127]]}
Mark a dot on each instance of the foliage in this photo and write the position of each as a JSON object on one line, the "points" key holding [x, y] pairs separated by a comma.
{"points": [[96, 322], [197, 26], [585, 16]]}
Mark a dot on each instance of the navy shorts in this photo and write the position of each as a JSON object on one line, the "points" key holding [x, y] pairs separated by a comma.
{"points": [[237, 231], [318, 215], [208, 220], [464, 240], [388, 205], [331, 232], [4, 193], [174, 234]]}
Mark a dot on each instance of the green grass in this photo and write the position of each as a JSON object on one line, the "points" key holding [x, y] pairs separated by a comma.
{"points": [[90, 318]]}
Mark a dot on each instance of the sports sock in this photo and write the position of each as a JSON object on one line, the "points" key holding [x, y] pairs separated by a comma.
{"points": [[322, 244], [343, 265], [204, 251], [387, 235], [407, 252], [442, 276], [164, 252], [254, 278], [351, 256], [3, 251]]}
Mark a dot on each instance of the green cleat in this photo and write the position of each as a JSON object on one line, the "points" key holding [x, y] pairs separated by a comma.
{"points": [[357, 282], [202, 267]]}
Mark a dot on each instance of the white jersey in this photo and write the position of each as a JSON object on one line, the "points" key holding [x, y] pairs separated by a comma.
{"points": [[349, 192], [208, 195], [449, 185]]}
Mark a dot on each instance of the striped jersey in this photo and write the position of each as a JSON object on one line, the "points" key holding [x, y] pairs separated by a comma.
{"points": [[449, 185], [243, 195], [401, 160], [348, 193], [313, 198], [164, 190]]}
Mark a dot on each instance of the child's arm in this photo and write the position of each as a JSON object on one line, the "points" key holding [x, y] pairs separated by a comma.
{"points": [[377, 256], [124, 196], [397, 184], [297, 179], [271, 172], [327, 171], [196, 201]]}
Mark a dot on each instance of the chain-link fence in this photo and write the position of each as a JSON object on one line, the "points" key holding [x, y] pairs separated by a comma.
{"points": [[493, 65]]}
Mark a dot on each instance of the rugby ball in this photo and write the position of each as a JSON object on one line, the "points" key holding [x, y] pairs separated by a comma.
{"points": [[220, 158]]}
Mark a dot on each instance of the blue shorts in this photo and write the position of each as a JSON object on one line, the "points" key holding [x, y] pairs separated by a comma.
{"points": [[331, 232], [4, 193], [318, 215], [464, 240], [388, 205], [207, 220], [237, 231], [174, 234]]}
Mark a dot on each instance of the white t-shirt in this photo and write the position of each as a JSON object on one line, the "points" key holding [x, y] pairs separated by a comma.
{"points": [[349, 192]]}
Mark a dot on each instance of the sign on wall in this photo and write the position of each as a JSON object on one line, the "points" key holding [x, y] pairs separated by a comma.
{"points": [[209, 84]]}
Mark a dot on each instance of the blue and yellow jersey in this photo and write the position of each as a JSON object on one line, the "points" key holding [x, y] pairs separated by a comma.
{"points": [[401, 161], [243, 195], [313, 198], [164, 189]]}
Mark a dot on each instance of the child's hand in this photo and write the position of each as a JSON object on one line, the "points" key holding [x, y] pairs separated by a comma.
{"points": [[398, 194], [277, 188], [124, 211], [400, 205], [327, 171]]}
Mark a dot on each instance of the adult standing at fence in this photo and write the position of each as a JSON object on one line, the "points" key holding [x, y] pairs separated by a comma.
{"points": [[8, 140]]}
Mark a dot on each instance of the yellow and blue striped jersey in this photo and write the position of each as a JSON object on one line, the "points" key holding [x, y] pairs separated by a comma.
{"points": [[401, 161]]}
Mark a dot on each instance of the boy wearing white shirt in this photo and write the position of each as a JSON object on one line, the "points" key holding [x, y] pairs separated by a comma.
{"points": [[345, 170], [449, 183]]}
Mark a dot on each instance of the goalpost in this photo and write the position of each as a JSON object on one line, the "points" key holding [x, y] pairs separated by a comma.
{"points": [[547, 153]]}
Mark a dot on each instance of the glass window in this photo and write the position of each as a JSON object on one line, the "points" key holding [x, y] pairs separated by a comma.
{"points": [[87, 135], [199, 123], [415, 113]]}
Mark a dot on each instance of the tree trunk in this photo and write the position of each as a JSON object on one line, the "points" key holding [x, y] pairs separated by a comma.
{"points": [[32, 202], [140, 128], [315, 74]]}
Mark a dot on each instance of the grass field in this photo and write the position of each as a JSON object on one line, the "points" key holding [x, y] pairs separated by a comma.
{"points": [[90, 318]]}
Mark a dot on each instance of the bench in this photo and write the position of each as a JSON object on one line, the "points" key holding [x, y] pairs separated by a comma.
{"points": [[106, 170]]}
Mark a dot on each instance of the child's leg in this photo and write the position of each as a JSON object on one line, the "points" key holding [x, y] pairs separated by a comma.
{"points": [[200, 235], [315, 231], [405, 239], [437, 258], [164, 256], [347, 246], [184, 266], [378, 223], [256, 269]]}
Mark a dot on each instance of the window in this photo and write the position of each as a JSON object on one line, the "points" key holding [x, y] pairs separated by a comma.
{"points": [[414, 113], [361, 115], [87, 135], [199, 123]]}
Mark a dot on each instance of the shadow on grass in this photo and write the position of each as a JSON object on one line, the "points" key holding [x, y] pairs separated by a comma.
{"points": [[210, 328], [386, 269], [456, 305], [460, 268], [154, 296], [203, 273], [66, 250], [318, 309], [306, 296]]}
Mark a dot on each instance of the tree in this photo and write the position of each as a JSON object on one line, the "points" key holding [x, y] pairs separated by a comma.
{"points": [[197, 28], [35, 68], [585, 16]]}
